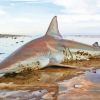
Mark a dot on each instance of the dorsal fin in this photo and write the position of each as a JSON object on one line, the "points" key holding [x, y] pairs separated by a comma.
{"points": [[53, 28]]}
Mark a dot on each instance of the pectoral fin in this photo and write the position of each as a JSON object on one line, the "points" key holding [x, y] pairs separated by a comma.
{"points": [[72, 67]]}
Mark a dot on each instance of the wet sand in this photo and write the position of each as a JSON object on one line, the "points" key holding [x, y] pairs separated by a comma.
{"points": [[40, 78], [83, 87], [58, 83]]}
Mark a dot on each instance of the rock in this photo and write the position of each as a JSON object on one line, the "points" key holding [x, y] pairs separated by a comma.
{"points": [[77, 85]]}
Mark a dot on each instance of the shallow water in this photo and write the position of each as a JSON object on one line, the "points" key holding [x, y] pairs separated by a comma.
{"points": [[93, 77]]}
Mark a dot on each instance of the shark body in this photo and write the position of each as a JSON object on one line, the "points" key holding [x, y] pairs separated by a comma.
{"points": [[51, 49]]}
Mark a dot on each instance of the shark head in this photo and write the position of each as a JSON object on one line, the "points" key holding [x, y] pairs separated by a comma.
{"points": [[53, 30]]}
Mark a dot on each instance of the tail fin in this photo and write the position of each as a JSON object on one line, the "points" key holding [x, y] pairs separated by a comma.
{"points": [[53, 28], [96, 44]]}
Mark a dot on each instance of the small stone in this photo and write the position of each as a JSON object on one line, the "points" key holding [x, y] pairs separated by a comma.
{"points": [[77, 86], [39, 79]]}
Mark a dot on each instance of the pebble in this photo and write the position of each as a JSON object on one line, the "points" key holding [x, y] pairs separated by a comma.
{"points": [[77, 86]]}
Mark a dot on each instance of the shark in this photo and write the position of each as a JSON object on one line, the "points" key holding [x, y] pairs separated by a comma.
{"points": [[48, 50]]}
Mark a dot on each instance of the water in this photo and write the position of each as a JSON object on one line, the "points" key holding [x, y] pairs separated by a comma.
{"points": [[93, 77], [9, 45]]}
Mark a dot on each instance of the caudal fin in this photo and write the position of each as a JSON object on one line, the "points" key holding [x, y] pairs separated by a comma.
{"points": [[96, 44], [53, 29]]}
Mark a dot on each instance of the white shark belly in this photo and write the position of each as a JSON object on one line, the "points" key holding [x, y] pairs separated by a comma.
{"points": [[33, 62], [37, 62]]}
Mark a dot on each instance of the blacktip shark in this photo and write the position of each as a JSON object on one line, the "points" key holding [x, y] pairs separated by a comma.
{"points": [[50, 49]]}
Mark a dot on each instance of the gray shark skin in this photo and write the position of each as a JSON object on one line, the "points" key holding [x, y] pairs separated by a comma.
{"points": [[51, 49]]}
